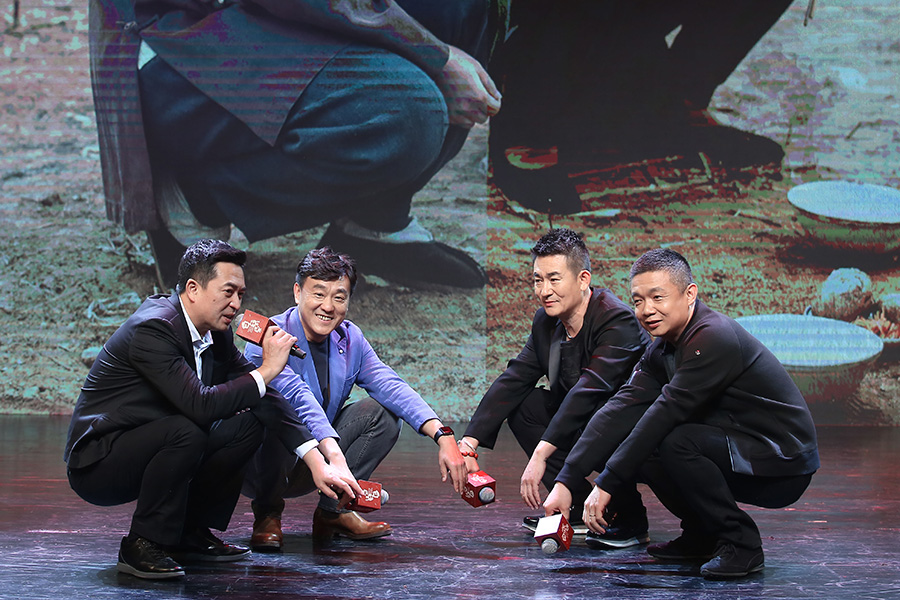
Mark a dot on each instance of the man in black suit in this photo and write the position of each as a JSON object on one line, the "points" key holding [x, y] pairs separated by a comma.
{"points": [[585, 341], [171, 412], [708, 419]]}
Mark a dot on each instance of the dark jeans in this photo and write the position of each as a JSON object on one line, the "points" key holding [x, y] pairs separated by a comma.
{"points": [[368, 132], [528, 424], [367, 430], [180, 475], [692, 477]]}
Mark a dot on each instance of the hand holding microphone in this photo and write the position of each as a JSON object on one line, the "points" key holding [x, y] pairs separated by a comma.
{"points": [[253, 329]]}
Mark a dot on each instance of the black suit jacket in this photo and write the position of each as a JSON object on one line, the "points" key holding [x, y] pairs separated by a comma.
{"points": [[716, 374], [609, 344], [146, 371]]}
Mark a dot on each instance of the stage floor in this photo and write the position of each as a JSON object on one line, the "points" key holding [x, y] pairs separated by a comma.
{"points": [[841, 540]]}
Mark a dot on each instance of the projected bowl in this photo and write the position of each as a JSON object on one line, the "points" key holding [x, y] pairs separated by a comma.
{"points": [[826, 358], [842, 214]]}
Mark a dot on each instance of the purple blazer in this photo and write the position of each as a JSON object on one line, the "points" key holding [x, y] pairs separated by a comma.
{"points": [[351, 360]]}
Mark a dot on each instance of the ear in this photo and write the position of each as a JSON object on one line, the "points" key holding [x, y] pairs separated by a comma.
{"points": [[691, 292], [191, 289], [297, 290], [584, 279]]}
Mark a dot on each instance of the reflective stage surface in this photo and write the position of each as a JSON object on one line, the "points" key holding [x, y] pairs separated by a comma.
{"points": [[841, 540]]}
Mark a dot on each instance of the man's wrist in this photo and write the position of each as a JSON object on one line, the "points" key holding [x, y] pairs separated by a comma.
{"points": [[441, 432]]}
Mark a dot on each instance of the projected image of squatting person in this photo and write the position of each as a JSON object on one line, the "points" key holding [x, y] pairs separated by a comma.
{"points": [[278, 116]]}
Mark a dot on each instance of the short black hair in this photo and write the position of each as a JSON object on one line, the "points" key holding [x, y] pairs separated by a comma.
{"points": [[567, 243], [325, 264], [663, 259], [199, 261]]}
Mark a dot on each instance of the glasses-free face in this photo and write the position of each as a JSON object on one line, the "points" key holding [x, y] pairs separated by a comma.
{"points": [[660, 307], [322, 305], [558, 287]]}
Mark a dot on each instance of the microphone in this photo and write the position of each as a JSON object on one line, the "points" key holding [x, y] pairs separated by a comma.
{"points": [[553, 533], [253, 327], [372, 498], [480, 489]]}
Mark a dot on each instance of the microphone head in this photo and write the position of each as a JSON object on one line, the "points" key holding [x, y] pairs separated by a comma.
{"points": [[486, 495], [549, 546], [385, 497]]}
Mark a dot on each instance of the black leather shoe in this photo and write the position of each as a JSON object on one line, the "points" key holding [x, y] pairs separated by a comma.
{"points": [[145, 559], [546, 190], [408, 263], [684, 548], [199, 545], [167, 253], [731, 561]]}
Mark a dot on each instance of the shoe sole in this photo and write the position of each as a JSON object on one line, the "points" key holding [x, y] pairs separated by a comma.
{"points": [[198, 557], [129, 570], [716, 575], [617, 544], [364, 536], [576, 529]]}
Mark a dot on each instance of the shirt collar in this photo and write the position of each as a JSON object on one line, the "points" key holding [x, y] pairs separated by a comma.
{"points": [[199, 342]]}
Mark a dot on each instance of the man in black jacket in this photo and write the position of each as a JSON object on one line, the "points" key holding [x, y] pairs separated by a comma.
{"points": [[585, 341], [171, 412], [709, 418]]}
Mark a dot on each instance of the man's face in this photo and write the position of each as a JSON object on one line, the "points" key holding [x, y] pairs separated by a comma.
{"points": [[559, 289], [214, 306], [322, 306], [661, 308]]}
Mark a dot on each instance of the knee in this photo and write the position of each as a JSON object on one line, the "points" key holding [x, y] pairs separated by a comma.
{"points": [[381, 420]]}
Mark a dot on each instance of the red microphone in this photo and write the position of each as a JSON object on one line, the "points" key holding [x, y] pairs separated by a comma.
{"points": [[253, 327], [553, 533], [372, 498], [480, 489]]}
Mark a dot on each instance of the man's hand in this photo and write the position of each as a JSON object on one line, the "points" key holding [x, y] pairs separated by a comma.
{"points": [[335, 457], [594, 506], [534, 472], [276, 348], [469, 444], [470, 93], [559, 501], [329, 478], [452, 463], [531, 481]]}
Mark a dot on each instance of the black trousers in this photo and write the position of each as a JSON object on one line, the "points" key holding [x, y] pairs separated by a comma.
{"points": [[528, 424], [588, 69], [180, 474], [691, 475]]}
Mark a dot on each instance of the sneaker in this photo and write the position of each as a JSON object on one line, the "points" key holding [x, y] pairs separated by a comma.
{"points": [[617, 537], [684, 548], [145, 559], [731, 561], [578, 527]]}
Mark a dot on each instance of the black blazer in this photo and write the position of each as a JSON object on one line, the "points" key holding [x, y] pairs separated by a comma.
{"points": [[146, 371], [609, 344], [716, 374]]}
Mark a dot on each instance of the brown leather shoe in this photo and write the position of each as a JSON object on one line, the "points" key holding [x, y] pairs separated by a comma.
{"points": [[267, 536], [349, 524]]}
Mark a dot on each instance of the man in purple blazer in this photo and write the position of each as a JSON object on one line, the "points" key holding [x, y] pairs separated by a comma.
{"points": [[355, 436], [281, 115]]}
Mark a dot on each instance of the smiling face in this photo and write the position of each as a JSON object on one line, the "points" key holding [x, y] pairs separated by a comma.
{"points": [[559, 288], [322, 306], [212, 307], [661, 308]]}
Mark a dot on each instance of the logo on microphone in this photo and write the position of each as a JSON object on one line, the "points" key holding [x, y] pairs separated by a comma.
{"points": [[252, 325]]}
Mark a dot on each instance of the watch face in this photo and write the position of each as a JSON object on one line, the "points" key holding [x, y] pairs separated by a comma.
{"points": [[442, 432]]}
